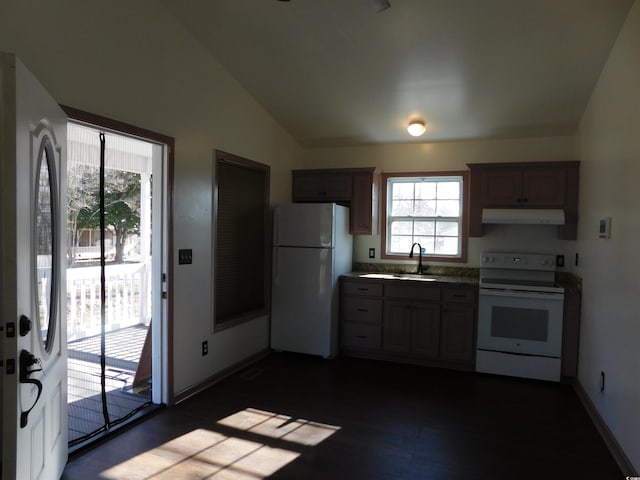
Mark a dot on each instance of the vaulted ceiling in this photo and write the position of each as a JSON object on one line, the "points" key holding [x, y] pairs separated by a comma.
{"points": [[337, 72]]}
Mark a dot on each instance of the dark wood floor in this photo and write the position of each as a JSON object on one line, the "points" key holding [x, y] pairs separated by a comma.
{"points": [[297, 417]]}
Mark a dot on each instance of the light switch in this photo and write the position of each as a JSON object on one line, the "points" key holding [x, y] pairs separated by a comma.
{"points": [[185, 256]]}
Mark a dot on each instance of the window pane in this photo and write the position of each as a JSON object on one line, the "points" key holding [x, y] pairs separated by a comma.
{"points": [[446, 246], [401, 244], [402, 208], [402, 190], [425, 208], [400, 227], [426, 190], [448, 208], [427, 244], [447, 190], [447, 229], [425, 228]]}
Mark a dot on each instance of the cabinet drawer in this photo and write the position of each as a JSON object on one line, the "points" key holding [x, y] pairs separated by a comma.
{"points": [[367, 310], [362, 288], [412, 291], [459, 295], [357, 335]]}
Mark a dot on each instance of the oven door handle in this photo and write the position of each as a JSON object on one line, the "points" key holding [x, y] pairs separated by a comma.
{"points": [[521, 294]]}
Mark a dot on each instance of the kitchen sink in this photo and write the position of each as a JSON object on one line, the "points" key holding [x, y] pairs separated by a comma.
{"points": [[400, 276]]}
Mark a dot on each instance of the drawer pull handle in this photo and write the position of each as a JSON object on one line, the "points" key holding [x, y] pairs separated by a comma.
{"points": [[363, 289], [362, 310], [459, 295], [361, 336]]}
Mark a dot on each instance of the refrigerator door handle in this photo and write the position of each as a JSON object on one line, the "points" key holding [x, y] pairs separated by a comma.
{"points": [[275, 266], [276, 227]]}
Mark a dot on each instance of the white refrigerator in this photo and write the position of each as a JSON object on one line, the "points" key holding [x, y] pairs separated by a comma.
{"points": [[312, 247]]}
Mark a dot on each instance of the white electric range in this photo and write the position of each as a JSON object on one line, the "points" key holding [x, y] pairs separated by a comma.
{"points": [[520, 313]]}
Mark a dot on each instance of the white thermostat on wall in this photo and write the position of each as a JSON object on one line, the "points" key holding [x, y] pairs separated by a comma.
{"points": [[604, 230]]}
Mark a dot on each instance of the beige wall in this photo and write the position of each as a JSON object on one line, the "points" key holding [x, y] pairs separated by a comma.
{"points": [[447, 156], [132, 62], [610, 154]]}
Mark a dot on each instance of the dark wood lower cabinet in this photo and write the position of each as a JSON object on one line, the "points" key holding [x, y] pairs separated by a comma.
{"points": [[412, 322], [412, 328], [398, 318], [458, 333], [427, 323]]}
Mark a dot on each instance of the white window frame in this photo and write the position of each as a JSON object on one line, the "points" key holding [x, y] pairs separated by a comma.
{"points": [[389, 179]]}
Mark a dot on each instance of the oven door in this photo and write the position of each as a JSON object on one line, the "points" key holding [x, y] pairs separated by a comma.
{"points": [[528, 323]]}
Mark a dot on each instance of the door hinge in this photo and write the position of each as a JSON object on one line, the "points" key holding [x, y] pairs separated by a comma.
{"points": [[164, 294], [11, 366]]}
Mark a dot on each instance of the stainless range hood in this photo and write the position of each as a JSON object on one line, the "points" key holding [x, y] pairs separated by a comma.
{"points": [[523, 216]]}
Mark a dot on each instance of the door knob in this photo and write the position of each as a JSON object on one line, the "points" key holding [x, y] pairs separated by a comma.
{"points": [[25, 325], [27, 362]]}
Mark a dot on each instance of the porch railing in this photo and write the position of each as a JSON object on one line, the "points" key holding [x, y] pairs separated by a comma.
{"points": [[128, 298]]}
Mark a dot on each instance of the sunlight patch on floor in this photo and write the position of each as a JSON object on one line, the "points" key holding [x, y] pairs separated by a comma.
{"points": [[206, 454], [273, 425]]}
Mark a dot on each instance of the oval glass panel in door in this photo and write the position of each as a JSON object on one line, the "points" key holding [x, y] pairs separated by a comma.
{"points": [[45, 248]]}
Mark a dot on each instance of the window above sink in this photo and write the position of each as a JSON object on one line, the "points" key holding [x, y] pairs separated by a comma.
{"points": [[428, 208]]}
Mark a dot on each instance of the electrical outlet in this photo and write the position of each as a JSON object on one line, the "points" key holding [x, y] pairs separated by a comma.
{"points": [[205, 348], [559, 260], [372, 253], [601, 381]]}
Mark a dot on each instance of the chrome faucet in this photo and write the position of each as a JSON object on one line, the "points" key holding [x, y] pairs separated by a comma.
{"points": [[420, 267]]}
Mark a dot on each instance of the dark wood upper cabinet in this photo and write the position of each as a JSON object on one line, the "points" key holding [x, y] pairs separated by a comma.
{"points": [[532, 187], [356, 188], [525, 185], [323, 187]]}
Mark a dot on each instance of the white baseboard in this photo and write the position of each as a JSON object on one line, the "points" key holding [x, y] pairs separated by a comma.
{"points": [[609, 439], [212, 380]]}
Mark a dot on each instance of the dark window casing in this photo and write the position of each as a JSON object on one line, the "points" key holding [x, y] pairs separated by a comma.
{"points": [[241, 246]]}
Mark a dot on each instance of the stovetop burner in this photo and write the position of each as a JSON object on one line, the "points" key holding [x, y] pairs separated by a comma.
{"points": [[519, 271], [519, 283]]}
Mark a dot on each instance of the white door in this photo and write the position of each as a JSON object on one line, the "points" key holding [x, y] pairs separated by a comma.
{"points": [[32, 282]]}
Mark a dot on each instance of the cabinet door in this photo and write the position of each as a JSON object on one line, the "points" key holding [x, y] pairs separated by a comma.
{"points": [[337, 187], [314, 187], [396, 335], [362, 216], [501, 187], [458, 322], [544, 187], [306, 187], [425, 330]]}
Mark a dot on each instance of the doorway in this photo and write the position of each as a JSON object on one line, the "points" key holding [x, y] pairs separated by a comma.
{"points": [[116, 278]]}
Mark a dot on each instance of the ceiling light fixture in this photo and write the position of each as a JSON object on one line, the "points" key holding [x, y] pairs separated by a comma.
{"points": [[381, 5], [416, 128]]}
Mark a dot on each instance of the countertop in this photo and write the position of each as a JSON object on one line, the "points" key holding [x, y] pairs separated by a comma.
{"points": [[412, 277], [440, 274]]}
